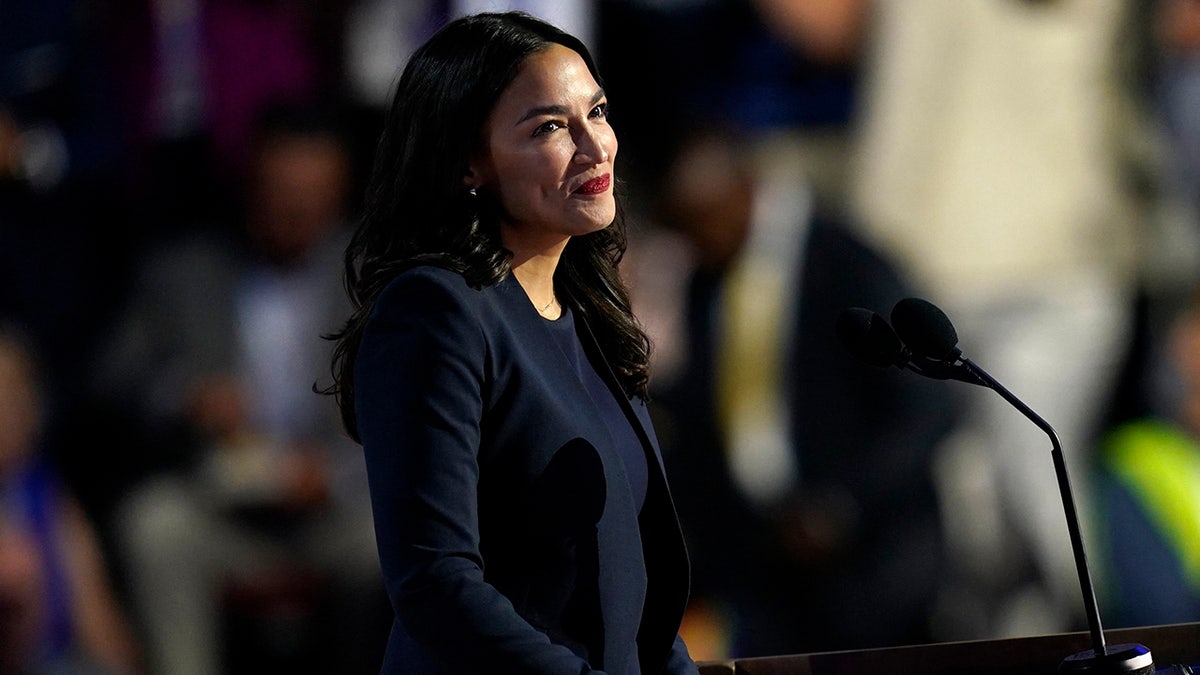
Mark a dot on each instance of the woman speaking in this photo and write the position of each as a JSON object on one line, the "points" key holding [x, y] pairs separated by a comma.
{"points": [[495, 376]]}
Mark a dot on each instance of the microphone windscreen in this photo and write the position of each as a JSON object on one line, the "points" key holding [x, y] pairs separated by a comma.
{"points": [[868, 337], [924, 328]]}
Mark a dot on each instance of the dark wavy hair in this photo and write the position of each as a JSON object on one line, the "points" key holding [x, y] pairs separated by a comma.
{"points": [[417, 209]]}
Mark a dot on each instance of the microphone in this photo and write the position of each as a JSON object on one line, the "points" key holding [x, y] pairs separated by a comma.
{"points": [[871, 340], [926, 329], [924, 341]]}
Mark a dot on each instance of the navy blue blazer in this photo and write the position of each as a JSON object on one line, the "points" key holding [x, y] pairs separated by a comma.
{"points": [[507, 530]]}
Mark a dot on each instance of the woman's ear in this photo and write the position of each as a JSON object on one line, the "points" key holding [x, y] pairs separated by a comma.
{"points": [[479, 170]]}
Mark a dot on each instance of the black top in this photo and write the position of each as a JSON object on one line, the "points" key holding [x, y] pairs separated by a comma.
{"points": [[623, 435]]}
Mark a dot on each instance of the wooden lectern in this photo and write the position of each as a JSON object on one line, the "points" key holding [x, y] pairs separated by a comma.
{"points": [[1176, 644]]}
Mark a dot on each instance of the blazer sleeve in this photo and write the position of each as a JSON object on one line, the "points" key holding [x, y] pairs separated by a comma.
{"points": [[680, 662], [420, 378]]}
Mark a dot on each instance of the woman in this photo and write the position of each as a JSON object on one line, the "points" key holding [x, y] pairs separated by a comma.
{"points": [[495, 375]]}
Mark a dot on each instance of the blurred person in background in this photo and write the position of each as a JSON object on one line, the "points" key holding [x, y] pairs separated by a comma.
{"points": [[786, 70], [740, 284], [58, 608], [803, 476], [1149, 463], [1148, 478], [1003, 155], [254, 486]]}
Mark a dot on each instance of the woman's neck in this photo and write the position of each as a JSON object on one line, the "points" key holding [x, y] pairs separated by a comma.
{"points": [[535, 273]]}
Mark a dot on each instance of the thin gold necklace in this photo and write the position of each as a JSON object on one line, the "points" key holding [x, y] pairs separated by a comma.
{"points": [[543, 309]]}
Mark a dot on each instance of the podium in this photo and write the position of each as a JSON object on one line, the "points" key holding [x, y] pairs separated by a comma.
{"points": [[1175, 644]]}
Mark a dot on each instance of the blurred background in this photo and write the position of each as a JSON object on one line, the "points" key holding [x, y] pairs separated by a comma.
{"points": [[178, 179]]}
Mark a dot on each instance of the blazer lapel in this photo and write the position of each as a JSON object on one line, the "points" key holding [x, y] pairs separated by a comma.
{"points": [[667, 568], [640, 426]]}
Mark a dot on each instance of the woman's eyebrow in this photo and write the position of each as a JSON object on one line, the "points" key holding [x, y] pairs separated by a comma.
{"points": [[557, 109]]}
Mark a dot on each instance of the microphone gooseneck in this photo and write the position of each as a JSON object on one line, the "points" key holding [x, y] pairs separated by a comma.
{"points": [[1123, 658], [1068, 500], [926, 343]]}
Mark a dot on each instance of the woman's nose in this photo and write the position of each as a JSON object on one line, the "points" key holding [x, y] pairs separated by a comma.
{"points": [[591, 148]]}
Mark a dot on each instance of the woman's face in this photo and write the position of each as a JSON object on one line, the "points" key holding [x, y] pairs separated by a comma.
{"points": [[548, 153]]}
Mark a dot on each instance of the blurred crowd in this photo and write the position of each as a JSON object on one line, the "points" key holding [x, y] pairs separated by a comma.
{"points": [[178, 179]]}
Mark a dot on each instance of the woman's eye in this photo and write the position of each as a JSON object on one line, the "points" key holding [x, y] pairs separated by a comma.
{"points": [[546, 128], [600, 111]]}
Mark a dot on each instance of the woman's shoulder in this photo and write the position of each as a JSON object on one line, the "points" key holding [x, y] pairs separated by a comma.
{"points": [[431, 288], [423, 280], [428, 275]]}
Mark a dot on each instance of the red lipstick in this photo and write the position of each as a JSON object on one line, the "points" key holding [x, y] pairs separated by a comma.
{"points": [[595, 186]]}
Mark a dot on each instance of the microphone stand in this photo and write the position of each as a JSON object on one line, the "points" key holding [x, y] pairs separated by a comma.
{"points": [[872, 340], [1123, 658]]}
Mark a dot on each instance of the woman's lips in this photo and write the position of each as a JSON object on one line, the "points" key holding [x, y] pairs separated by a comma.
{"points": [[595, 186]]}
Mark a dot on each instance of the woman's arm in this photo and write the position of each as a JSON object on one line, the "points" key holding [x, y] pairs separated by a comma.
{"points": [[419, 402]]}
